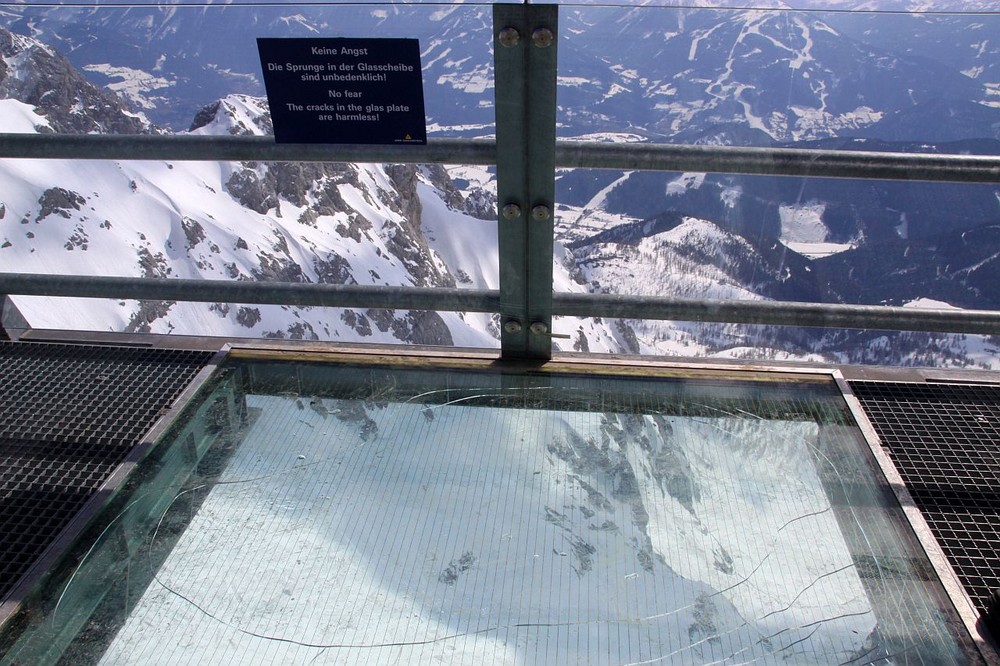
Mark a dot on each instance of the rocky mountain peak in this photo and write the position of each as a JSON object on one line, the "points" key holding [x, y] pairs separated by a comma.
{"points": [[236, 115], [36, 74]]}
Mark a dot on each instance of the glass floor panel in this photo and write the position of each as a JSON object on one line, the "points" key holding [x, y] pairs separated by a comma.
{"points": [[306, 513]]}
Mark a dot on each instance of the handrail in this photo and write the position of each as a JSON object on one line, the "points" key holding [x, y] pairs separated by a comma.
{"points": [[245, 291], [780, 313], [198, 148], [809, 163], [568, 154], [777, 313]]}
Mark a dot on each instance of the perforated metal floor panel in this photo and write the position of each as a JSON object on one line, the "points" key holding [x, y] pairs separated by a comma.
{"points": [[69, 414], [945, 442]]}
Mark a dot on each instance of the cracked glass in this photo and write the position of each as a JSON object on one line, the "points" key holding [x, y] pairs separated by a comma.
{"points": [[307, 513]]}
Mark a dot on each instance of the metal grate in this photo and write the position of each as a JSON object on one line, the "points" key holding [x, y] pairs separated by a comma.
{"points": [[69, 414], [945, 442]]}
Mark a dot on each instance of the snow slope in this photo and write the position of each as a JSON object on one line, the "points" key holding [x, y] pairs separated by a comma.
{"points": [[579, 537], [162, 219]]}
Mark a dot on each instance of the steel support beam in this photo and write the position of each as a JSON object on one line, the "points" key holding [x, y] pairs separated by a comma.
{"points": [[524, 54]]}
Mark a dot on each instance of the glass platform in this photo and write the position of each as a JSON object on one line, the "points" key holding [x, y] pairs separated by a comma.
{"points": [[326, 513]]}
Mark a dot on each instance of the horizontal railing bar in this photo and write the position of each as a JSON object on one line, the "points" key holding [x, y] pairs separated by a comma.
{"points": [[569, 154], [238, 148], [231, 291], [773, 313], [777, 313], [780, 161]]}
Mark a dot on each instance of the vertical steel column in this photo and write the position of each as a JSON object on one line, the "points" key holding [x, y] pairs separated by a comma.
{"points": [[524, 53]]}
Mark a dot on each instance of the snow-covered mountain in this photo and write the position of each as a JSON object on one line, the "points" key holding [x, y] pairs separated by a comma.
{"points": [[666, 73], [336, 223], [347, 224], [37, 76]]}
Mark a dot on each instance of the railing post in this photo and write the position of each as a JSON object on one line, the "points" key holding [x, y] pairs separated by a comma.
{"points": [[524, 53]]}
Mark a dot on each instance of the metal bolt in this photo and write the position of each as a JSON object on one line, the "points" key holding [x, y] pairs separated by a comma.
{"points": [[512, 326], [509, 37], [542, 37], [538, 328], [511, 212], [540, 213]]}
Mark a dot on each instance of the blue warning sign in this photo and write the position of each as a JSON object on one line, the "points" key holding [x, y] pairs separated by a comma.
{"points": [[340, 90]]}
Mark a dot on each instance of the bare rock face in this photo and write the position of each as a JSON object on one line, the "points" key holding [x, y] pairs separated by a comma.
{"points": [[46, 80], [334, 269], [205, 115], [58, 201], [428, 328], [478, 202], [248, 317], [148, 312], [417, 327], [409, 245], [251, 191]]}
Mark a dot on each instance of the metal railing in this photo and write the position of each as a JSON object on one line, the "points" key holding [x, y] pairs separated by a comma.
{"points": [[526, 153], [568, 155], [776, 313]]}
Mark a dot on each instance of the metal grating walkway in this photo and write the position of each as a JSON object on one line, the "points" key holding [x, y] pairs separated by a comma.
{"points": [[69, 415], [945, 442]]}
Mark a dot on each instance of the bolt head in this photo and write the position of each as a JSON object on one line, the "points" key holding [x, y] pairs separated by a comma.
{"points": [[542, 38], [512, 326], [508, 37], [511, 212], [541, 213], [538, 328]]}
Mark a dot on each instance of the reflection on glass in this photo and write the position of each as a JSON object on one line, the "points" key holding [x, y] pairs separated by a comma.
{"points": [[364, 515]]}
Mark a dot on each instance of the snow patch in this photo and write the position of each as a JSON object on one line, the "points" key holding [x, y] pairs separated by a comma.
{"points": [[20, 118], [474, 82], [614, 90], [574, 81], [929, 304], [817, 250], [803, 223], [468, 246], [609, 137], [811, 123], [974, 72], [685, 182], [133, 84]]}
